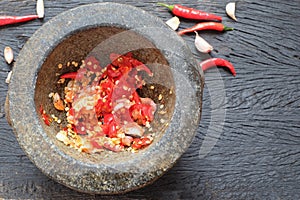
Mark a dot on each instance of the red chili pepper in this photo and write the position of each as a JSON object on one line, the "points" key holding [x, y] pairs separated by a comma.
{"points": [[213, 62], [139, 143], [141, 67], [113, 147], [191, 13], [71, 75], [122, 64], [109, 125], [95, 144], [103, 107], [136, 146], [108, 118], [112, 72], [5, 20], [206, 26], [141, 113], [136, 98], [72, 112], [127, 140], [80, 129], [104, 104]]}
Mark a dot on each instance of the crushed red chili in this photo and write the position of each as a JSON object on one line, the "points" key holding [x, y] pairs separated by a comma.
{"points": [[45, 117], [103, 108]]}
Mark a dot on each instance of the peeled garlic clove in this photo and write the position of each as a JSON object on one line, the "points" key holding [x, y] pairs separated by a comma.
{"points": [[173, 23], [7, 80], [8, 55], [40, 8], [230, 10], [62, 136], [202, 45]]}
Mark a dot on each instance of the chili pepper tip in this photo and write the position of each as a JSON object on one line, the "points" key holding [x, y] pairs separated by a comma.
{"points": [[170, 7]]}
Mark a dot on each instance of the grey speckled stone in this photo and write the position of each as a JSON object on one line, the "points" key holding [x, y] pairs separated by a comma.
{"points": [[112, 173]]}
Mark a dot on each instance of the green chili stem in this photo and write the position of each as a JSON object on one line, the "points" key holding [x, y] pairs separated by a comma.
{"points": [[170, 7], [226, 28]]}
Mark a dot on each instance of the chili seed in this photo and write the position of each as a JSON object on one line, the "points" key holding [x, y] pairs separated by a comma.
{"points": [[61, 81], [134, 150], [152, 87], [125, 87], [147, 124], [162, 112], [160, 97], [51, 94]]}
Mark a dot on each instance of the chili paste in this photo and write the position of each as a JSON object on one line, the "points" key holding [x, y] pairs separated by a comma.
{"points": [[103, 108]]}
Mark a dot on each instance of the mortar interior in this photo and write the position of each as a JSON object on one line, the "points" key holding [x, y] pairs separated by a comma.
{"points": [[100, 42]]}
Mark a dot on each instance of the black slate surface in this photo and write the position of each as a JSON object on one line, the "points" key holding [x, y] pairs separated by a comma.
{"points": [[253, 118]]}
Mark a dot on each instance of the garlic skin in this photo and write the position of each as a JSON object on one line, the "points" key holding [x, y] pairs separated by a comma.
{"points": [[8, 55], [40, 8], [230, 10], [173, 23], [202, 45]]}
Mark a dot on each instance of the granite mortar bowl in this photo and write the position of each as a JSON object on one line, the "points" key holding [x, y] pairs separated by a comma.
{"points": [[107, 28]]}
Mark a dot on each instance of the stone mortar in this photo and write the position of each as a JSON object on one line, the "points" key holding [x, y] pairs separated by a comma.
{"points": [[110, 173]]}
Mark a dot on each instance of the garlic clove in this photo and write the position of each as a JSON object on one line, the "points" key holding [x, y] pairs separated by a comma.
{"points": [[40, 8], [230, 10], [8, 55], [173, 23], [202, 45], [7, 80]]}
